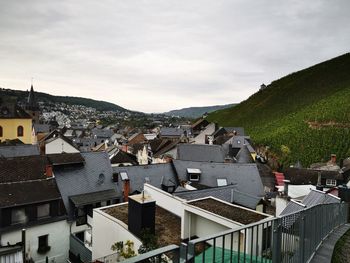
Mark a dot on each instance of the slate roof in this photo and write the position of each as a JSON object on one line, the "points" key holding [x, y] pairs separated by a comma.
{"points": [[124, 157], [22, 168], [309, 176], [316, 197], [245, 176], [244, 156], [293, 207], [226, 193], [266, 175], [154, 174], [173, 132], [22, 193], [10, 110], [200, 153], [84, 179], [19, 150], [41, 128]]}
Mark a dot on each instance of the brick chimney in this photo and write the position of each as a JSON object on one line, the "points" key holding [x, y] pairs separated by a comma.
{"points": [[126, 189], [333, 159], [48, 170]]}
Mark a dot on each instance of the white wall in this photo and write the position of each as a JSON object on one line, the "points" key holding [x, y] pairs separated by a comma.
{"points": [[209, 130], [106, 231], [165, 200], [281, 203], [58, 241], [59, 146]]}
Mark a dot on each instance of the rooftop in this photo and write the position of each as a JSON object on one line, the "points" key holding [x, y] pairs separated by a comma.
{"points": [[232, 212], [167, 228]]}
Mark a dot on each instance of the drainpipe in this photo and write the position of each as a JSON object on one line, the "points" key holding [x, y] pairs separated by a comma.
{"points": [[24, 245]]}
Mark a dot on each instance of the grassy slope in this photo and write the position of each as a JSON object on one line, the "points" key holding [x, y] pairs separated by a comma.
{"points": [[279, 114], [99, 105]]}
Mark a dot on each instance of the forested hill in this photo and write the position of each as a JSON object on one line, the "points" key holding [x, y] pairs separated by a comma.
{"points": [[304, 116], [196, 112], [98, 105]]}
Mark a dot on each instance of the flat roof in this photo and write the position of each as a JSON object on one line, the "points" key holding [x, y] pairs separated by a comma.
{"points": [[167, 228], [235, 213]]}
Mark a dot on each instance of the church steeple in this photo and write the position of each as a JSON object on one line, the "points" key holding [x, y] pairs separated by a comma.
{"points": [[32, 107], [31, 102]]}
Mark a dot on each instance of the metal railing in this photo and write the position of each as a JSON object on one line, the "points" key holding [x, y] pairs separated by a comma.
{"points": [[290, 238]]}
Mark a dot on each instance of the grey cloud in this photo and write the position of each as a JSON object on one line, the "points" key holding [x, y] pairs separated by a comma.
{"points": [[157, 55]]}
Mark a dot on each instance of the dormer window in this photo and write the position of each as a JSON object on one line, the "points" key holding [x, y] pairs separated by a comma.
{"points": [[331, 182], [193, 174]]}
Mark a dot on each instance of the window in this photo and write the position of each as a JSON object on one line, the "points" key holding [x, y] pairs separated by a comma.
{"points": [[18, 216], [0, 131], [331, 182], [194, 174], [43, 244], [20, 131], [221, 182], [43, 211], [81, 216]]}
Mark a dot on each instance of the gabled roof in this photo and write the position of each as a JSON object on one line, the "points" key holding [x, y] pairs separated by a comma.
{"points": [[84, 179], [173, 132], [244, 155], [292, 207], [19, 150], [309, 176], [154, 174], [124, 157], [245, 176], [200, 153]]}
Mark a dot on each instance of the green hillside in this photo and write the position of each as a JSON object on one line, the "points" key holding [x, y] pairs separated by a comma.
{"points": [[40, 96], [307, 111]]}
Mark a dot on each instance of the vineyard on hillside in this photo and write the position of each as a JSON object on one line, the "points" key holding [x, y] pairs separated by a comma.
{"points": [[302, 117]]}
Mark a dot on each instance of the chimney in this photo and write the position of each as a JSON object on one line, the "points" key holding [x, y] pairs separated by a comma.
{"points": [[141, 214], [286, 185], [319, 184], [333, 159], [126, 189], [48, 170]]}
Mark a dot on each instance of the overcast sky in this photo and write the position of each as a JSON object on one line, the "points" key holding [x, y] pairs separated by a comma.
{"points": [[159, 55]]}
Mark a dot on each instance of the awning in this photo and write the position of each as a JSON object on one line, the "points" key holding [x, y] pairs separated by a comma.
{"points": [[95, 197]]}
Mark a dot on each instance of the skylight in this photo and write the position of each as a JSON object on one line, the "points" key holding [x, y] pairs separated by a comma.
{"points": [[193, 171], [222, 182], [124, 176]]}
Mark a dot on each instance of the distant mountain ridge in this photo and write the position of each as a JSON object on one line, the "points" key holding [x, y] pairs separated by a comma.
{"points": [[304, 116], [40, 96], [195, 112]]}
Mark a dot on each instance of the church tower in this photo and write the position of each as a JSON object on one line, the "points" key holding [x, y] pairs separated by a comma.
{"points": [[32, 107]]}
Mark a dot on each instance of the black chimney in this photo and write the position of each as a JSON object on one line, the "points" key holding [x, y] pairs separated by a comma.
{"points": [[141, 214]]}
